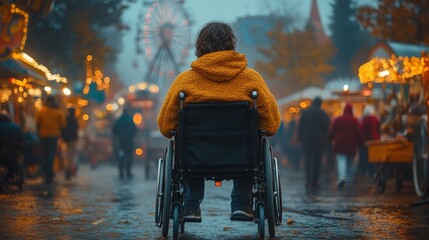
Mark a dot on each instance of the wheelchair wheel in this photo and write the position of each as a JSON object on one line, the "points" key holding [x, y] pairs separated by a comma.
{"points": [[398, 183], [159, 192], [261, 220], [381, 184], [269, 183], [182, 226], [176, 221], [421, 160], [278, 201], [167, 189]]}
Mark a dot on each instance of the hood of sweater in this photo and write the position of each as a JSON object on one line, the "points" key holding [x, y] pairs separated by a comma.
{"points": [[220, 66], [348, 109]]}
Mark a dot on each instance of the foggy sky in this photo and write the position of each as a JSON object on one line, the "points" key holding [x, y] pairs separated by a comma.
{"points": [[203, 11]]}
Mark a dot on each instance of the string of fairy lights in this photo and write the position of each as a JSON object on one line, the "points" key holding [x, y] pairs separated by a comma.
{"points": [[391, 70], [20, 89]]}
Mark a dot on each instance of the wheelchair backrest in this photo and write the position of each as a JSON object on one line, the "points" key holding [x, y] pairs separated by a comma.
{"points": [[217, 140]]}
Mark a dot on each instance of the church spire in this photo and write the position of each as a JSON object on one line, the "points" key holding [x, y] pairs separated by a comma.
{"points": [[315, 24]]}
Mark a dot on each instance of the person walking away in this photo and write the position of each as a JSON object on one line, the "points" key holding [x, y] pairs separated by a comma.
{"points": [[219, 74], [313, 134], [346, 139], [278, 142], [124, 131], [70, 137], [50, 120], [11, 142], [293, 145], [370, 131]]}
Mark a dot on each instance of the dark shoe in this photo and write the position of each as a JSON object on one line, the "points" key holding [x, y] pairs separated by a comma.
{"points": [[68, 175], [192, 213], [50, 182], [340, 184], [315, 185], [240, 215]]}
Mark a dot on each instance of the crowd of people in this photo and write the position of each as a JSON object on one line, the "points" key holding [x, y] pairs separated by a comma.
{"points": [[322, 142], [51, 125], [54, 140]]}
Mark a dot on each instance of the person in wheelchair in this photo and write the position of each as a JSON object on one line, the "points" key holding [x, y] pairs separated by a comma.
{"points": [[219, 74]]}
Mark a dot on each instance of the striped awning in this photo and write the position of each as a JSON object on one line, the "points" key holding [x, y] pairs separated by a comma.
{"points": [[12, 68]]}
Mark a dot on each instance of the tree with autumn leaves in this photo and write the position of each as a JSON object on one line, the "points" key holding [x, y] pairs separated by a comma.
{"points": [[71, 31], [295, 60], [405, 21]]}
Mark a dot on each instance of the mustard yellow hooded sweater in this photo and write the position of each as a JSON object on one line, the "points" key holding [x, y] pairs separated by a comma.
{"points": [[219, 76]]}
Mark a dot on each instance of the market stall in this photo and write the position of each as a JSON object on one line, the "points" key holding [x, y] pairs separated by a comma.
{"points": [[333, 101], [23, 81], [406, 108]]}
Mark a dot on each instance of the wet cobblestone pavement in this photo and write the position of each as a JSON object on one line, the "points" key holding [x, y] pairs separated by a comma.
{"points": [[98, 205]]}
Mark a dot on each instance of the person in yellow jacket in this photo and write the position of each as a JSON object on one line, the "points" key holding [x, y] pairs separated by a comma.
{"points": [[50, 120], [219, 74]]}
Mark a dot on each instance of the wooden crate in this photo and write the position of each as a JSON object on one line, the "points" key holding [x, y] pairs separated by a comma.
{"points": [[390, 152]]}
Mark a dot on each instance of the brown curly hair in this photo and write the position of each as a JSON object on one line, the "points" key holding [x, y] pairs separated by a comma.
{"points": [[213, 37]]}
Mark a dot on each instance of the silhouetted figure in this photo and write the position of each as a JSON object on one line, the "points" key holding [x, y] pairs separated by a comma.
{"points": [[293, 145], [124, 131], [70, 137], [50, 120], [370, 131], [11, 142], [313, 134]]}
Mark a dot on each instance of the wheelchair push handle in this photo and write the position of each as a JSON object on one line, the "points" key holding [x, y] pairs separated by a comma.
{"points": [[254, 97], [182, 99]]}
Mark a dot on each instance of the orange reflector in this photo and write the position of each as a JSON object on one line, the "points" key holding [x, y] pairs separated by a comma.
{"points": [[218, 184]]}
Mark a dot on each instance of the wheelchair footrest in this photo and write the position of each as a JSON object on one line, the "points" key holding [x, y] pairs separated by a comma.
{"points": [[197, 220], [241, 218]]}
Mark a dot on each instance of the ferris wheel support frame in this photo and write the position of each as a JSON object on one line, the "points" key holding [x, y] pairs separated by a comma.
{"points": [[151, 74]]}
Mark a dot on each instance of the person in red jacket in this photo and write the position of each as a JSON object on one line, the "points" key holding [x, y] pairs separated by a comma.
{"points": [[346, 139], [370, 130]]}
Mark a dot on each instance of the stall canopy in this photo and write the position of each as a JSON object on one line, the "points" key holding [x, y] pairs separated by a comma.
{"points": [[307, 93], [391, 70], [17, 69], [393, 63]]}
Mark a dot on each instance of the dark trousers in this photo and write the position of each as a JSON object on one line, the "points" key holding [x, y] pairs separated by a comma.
{"points": [[364, 165], [313, 159], [12, 167], [49, 147], [125, 156], [241, 195]]}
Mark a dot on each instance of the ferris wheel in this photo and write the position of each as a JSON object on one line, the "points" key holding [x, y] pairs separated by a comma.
{"points": [[164, 37]]}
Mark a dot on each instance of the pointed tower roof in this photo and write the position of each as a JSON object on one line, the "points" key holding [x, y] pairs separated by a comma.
{"points": [[315, 23]]}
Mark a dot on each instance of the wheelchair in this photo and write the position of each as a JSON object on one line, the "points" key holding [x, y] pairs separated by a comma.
{"points": [[218, 141]]}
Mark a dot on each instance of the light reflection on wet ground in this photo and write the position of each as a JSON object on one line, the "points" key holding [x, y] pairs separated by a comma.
{"points": [[98, 205]]}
